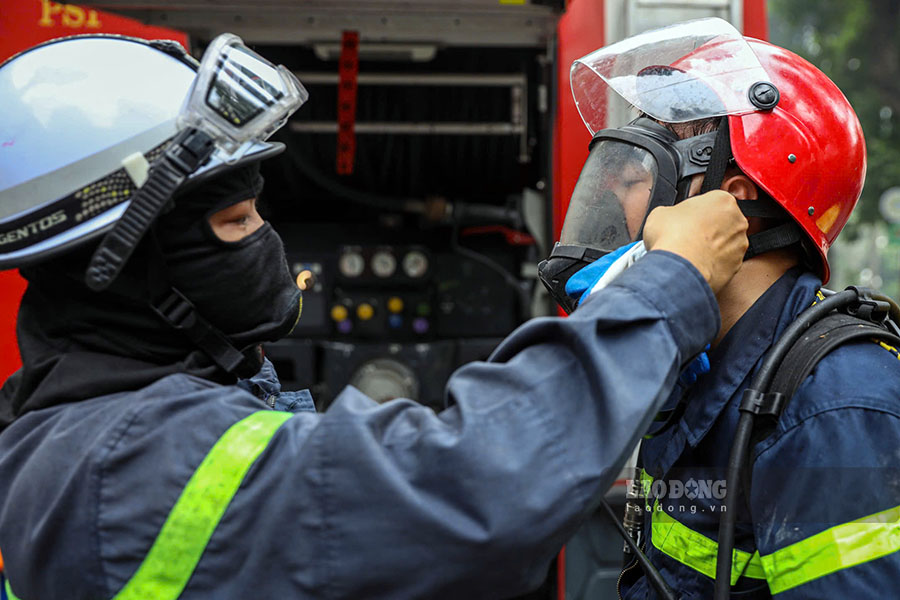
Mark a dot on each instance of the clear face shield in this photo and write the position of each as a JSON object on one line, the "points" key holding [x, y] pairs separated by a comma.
{"points": [[238, 99]]}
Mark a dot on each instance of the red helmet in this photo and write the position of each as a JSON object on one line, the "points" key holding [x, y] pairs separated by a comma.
{"points": [[807, 153], [800, 142]]}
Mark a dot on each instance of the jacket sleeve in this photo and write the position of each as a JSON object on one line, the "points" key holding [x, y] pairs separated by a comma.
{"points": [[826, 486], [397, 501]]}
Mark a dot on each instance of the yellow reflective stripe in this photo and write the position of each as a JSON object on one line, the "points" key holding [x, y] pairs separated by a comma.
{"points": [[646, 483], [834, 549], [177, 549], [697, 551], [9, 592]]}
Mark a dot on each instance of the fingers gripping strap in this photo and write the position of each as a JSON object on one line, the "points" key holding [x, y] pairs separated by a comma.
{"points": [[171, 561]]}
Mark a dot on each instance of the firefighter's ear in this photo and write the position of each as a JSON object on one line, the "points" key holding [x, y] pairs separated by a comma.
{"points": [[740, 186]]}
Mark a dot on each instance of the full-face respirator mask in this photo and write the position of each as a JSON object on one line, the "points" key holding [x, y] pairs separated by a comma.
{"points": [[629, 172]]}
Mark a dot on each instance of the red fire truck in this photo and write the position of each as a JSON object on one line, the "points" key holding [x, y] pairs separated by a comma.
{"points": [[416, 199]]}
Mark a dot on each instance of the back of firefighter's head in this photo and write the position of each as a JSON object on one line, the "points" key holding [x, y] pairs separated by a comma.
{"points": [[791, 135], [126, 202]]}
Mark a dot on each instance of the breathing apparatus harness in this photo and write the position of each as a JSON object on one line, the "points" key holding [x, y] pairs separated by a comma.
{"points": [[853, 314]]}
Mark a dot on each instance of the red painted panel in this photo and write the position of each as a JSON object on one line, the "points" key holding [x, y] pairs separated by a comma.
{"points": [[756, 22], [580, 31], [12, 286], [24, 23]]}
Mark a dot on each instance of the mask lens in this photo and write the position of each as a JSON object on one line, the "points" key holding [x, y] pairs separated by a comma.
{"points": [[611, 198], [239, 97], [243, 86]]}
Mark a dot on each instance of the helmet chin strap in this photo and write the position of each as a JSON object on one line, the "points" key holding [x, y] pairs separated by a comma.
{"points": [[180, 314], [780, 236]]}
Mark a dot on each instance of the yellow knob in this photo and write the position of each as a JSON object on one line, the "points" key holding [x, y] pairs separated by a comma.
{"points": [[365, 311], [339, 313], [395, 305]]}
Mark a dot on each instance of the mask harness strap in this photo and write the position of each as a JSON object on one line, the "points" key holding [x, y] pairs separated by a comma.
{"points": [[718, 160], [180, 314]]}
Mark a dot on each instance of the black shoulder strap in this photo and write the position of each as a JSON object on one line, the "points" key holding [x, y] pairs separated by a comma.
{"points": [[824, 336], [833, 330]]}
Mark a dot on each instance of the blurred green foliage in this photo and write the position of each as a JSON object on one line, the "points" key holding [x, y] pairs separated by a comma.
{"points": [[855, 42]]}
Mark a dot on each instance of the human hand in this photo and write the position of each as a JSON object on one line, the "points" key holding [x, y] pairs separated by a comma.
{"points": [[708, 230]]}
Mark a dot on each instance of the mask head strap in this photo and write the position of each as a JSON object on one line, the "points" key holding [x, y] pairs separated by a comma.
{"points": [[718, 160]]}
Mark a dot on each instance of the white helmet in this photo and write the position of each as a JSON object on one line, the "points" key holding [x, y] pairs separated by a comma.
{"points": [[87, 119]]}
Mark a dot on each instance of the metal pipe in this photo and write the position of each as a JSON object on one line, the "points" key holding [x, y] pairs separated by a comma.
{"points": [[420, 79], [411, 128]]}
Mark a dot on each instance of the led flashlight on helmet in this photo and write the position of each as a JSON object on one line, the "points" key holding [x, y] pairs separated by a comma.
{"points": [[238, 99]]}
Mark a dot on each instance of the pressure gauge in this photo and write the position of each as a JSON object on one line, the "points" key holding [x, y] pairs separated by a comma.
{"points": [[384, 379], [383, 264], [415, 264], [351, 264]]}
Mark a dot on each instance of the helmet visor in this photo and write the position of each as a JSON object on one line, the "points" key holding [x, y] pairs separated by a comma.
{"points": [[611, 198], [693, 70]]}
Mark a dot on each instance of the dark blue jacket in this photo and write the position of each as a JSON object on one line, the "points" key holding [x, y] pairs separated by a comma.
{"points": [[833, 459], [366, 500]]}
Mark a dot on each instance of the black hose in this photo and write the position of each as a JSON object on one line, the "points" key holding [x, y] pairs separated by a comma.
{"points": [[740, 448], [736, 461], [652, 573]]}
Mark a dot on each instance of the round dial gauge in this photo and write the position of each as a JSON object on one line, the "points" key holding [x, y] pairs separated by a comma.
{"points": [[351, 264], [415, 264], [383, 264]]}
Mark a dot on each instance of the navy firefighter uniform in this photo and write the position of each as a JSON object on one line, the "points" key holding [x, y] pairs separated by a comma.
{"points": [[822, 517], [189, 484]]}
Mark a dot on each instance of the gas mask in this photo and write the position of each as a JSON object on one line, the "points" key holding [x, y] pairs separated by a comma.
{"points": [[629, 172]]}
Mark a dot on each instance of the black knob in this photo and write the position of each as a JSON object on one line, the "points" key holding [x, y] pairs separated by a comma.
{"points": [[764, 95]]}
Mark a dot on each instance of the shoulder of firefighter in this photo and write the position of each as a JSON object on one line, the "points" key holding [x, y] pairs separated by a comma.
{"points": [[821, 519], [189, 487]]}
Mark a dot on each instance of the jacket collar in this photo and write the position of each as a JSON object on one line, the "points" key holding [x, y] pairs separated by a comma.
{"points": [[740, 352]]}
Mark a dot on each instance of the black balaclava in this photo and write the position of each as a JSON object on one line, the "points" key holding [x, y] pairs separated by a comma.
{"points": [[243, 288], [77, 344]]}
